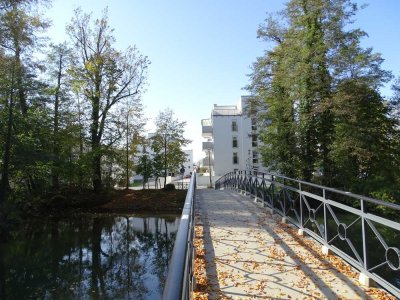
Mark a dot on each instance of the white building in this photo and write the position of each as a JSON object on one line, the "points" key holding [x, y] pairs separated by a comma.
{"points": [[145, 148], [232, 138], [189, 163]]}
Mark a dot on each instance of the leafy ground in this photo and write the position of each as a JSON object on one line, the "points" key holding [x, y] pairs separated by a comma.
{"points": [[145, 201], [116, 201]]}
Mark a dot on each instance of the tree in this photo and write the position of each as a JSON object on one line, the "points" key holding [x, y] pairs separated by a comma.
{"points": [[107, 76], [133, 127], [158, 169], [145, 167], [395, 102], [168, 141], [19, 28], [293, 80], [361, 150], [7, 97], [59, 58], [303, 85]]}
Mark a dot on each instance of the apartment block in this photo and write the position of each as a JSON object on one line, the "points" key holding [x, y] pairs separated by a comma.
{"points": [[231, 138]]}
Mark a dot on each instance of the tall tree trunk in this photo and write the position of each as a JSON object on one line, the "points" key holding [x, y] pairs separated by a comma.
{"points": [[5, 181], [127, 150], [165, 160], [19, 78], [96, 147], [56, 146], [96, 169], [80, 172]]}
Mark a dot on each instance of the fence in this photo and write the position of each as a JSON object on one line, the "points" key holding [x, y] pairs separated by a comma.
{"points": [[179, 185], [363, 231]]}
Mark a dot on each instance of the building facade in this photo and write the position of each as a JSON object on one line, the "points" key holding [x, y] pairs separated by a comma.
{"points": [[189, 163], [231, 138], [146, 149]]}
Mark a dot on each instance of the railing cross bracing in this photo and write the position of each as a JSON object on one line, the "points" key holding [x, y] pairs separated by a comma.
{"points": [[361, 230]]}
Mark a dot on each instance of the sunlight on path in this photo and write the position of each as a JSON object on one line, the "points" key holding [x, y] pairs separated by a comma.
{"points": [[249, 255]]}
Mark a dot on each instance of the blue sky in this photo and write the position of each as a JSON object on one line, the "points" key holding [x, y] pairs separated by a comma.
{"points": [[201, 51]]}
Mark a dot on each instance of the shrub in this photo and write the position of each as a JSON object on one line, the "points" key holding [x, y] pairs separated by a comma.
{"points": [[169, 187]]}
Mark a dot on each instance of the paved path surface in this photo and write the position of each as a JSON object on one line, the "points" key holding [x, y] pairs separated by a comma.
{"points": [[249, 255]]}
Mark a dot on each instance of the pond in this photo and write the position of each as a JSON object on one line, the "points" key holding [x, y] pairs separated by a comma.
{"points": [[88, 257]]}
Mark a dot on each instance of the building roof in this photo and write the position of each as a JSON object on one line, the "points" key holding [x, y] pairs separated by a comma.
{"points": [[226, 110]]}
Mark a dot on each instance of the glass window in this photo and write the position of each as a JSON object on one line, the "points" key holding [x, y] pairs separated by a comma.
{"points": [[234, 125], [235, 158], [234, 142], [254, 140], [253, 124], [255, 157]]}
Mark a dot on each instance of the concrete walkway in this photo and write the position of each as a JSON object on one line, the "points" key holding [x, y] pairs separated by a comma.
{"points": [[250, 255]]}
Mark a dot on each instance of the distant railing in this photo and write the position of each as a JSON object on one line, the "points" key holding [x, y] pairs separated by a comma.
{"points": [[179, 283], [179, 185], [363, 231]]}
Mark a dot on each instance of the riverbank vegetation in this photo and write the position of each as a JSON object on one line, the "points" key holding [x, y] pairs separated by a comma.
{"points": [[318, 99], [71, 116]]}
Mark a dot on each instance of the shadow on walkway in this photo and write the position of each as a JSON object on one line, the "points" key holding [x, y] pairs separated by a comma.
{"points": [[249, 254]]}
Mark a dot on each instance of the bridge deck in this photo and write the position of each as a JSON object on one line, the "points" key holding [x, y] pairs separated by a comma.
{"points": [[250, 255]]}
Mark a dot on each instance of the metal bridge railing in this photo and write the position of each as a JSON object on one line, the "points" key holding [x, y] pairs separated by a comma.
{"points": [[182, 185], [179, 283], [363, 231]]}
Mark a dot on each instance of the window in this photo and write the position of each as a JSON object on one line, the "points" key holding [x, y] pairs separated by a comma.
{"points": [[253, 124], [234, 142], [235, 158], [254, 140], [234, 125], [255, 157]]}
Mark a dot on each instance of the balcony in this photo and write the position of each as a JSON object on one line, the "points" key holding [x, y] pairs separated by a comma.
{"points": [[208, 146], [206, 128], [206, 162]]}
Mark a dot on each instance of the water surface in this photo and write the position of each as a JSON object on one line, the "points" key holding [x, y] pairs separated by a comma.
{"points": [[88, 257]]}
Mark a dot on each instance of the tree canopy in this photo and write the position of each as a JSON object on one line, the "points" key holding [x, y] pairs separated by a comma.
{"points": [[68, 119], [168, 141], [317, 89]]}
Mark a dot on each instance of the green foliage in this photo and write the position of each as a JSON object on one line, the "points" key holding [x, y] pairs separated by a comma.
{"points": [[317, 94], [167, 143], [71, 118], [169, 187], [145, 168], [107, 77]]}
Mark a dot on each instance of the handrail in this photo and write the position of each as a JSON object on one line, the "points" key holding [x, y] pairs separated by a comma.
{"points": [[353, 227], [179, 283], [276, 175]]}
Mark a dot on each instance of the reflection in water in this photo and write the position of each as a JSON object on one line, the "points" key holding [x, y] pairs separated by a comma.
{"points": [[93, 257]]}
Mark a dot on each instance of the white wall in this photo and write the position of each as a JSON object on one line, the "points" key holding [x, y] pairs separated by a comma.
{"points": [[189, 162], [223, 137], [223, 151], [204, 180], [223, 148]]}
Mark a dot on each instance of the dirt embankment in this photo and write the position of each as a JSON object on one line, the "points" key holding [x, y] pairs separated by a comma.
{"points": [[116, 201]]}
